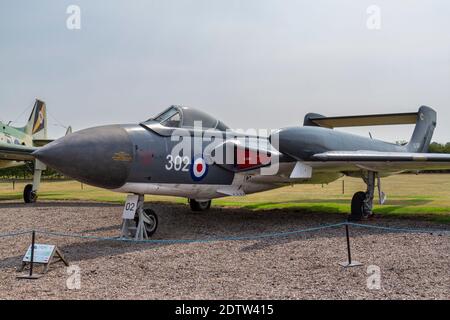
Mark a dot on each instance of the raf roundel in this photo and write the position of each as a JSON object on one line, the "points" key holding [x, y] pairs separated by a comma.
{"points": [[199, 169]]}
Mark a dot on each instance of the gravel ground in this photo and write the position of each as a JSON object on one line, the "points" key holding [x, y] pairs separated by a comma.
{"points": [[413, 266]]}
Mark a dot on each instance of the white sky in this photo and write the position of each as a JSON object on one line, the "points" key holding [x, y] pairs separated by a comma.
{"points": [[251, 63]]}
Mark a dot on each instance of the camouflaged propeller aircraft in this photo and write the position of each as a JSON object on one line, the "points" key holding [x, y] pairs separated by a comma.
{"points": [[186, 153], [17, 144]]}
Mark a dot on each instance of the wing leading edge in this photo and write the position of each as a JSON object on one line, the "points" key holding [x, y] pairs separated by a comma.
{"points": [[362, 121], [383, 161], [16, 152]]}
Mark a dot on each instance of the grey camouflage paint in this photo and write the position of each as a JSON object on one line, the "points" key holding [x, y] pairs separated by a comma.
{"points": [[110, 156]]}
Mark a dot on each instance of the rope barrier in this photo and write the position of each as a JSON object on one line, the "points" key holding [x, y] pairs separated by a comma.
{"points": [[396, 229], [238, 238], [235, 238], [14, 234]]}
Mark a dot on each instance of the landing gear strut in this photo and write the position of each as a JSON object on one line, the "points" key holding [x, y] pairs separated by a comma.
{"points": [[30, 190], [362, 202], [149, 220], [144, 224], [199, 205]]}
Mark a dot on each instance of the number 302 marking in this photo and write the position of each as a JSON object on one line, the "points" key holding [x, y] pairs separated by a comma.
{"points": [[177, 163]]}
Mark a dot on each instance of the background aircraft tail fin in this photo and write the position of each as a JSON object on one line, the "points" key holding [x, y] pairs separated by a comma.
{"points": [[37, 123], [423, 133]]}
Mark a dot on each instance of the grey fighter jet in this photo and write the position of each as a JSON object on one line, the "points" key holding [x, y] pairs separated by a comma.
{"points": [[186, 153]]}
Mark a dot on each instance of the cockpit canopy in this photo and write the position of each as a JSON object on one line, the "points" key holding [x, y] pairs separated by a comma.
{"points": [[185, 117]]}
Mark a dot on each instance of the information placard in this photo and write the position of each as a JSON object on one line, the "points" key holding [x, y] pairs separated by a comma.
{"points": [[42, 253]]}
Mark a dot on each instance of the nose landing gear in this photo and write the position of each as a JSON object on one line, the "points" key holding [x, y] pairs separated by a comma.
{"points": [[149, 220], [142, 223], [30, 190]]}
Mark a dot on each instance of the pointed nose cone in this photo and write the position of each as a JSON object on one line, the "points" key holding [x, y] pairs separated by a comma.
{"points": [[98, 156]]}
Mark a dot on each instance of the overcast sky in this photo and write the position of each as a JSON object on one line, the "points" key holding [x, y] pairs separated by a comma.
{"points": [[251, 63]]}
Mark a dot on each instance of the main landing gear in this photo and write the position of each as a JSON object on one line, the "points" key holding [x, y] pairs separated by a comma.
{"points": [[30, 190], [362, 202], [199, 205]]}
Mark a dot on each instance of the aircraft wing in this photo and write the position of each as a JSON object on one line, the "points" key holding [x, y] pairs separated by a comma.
{"points": [[381, 161], [16, 152]]}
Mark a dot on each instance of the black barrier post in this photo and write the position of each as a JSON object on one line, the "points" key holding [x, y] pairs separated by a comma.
{"points": [[30, 274], [33, 237], [348, 245], [349, 263]]}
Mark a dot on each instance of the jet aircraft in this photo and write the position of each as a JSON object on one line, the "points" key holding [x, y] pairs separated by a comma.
{"points": [[185, 152]]}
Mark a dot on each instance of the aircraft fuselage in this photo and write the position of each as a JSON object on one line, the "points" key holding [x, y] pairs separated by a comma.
{"points": [[138, 159]]}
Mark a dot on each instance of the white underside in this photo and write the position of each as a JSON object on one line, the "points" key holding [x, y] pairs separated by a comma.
{"points": [[239, 187], [192, 191], [242, 184]]}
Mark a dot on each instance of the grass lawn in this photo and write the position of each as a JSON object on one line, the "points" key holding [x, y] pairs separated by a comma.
{"points": [[425, 195]]}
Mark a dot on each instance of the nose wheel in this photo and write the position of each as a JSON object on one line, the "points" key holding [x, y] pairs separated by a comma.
{"points": [[29, 196], [149, 220]]}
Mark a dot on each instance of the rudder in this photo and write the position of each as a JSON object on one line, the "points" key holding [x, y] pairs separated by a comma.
{"points": [[37, 123]]}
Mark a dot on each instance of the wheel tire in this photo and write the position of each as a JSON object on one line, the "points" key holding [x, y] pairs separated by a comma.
{"points": [[150, 216], [199, 205], [357, 206], [29, 196]]}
